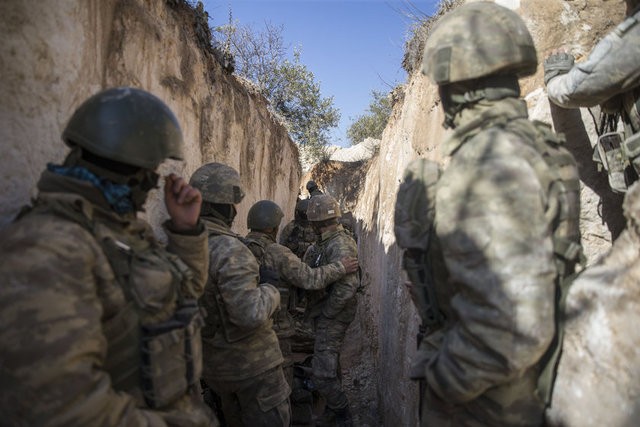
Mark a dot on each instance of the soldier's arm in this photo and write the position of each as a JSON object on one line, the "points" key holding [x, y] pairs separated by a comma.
{"points": [[344, 289], [193, 250], [52, 345], [499, 253], [610, 69], [248, 303], [297, 273]]}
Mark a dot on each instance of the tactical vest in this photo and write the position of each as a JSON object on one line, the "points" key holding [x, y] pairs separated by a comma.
{"points": [[283, 322], [219, 318], [299, 240], [415, 231], [161, 360], [557, 173]]}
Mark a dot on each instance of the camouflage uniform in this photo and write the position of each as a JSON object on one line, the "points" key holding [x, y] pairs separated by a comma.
{"points": [[101, 325], [293, 274], [609, 76], [333, 310], [61, 292], [243, 362], [505, 230], [297, 235], [497, 289]]}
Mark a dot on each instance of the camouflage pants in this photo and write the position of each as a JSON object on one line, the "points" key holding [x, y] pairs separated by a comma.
{"points": [[261, 401], [330, 335]]}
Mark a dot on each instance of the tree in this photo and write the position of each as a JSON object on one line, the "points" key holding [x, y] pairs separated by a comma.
{"points": [[371, 124], [291, 88]]}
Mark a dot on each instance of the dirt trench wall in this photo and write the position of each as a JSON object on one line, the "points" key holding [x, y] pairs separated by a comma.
{"points": [[415, 130], [54, 55]]}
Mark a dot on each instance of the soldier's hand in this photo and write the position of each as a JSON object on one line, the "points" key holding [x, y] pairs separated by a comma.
{"points": [[183, 202], [350, 264], [558, 62]]}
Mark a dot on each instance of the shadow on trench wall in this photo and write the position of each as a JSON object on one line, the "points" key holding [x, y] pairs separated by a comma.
{"points": [[381, 340]]}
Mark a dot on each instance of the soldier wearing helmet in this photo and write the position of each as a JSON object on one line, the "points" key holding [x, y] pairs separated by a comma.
{"points": [[505, 232], [609, 77], [101, 324], [298, 234], [332, 309], [313, 189], [241, 356], [263, 220]]}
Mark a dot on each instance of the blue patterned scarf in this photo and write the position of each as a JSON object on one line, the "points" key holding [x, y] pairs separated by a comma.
{"points": [[118, 195]]}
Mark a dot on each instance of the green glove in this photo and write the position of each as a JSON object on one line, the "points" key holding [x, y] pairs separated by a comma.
{"points": [[556, 64]]}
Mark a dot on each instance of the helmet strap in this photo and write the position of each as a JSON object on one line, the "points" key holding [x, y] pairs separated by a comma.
{"points": [[223, 212]]}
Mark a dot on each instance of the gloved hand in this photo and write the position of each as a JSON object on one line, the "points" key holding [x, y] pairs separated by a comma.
{"points": [[559, 62], [268, 275]]}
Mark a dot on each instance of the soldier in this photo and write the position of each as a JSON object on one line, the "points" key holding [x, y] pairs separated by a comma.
{"points": [[298, 235], [242, 359], [264, 220], [610, 77], [313, 189], [505, 232], [332, 309], [100, 322]]}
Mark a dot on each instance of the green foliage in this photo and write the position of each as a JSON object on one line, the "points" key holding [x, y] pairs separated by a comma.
{"points": [[371, 124], [291, 88]]}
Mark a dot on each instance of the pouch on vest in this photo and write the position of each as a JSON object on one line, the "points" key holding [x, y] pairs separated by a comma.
{"points": [[632, 149], [171, 356], [610, 154]]}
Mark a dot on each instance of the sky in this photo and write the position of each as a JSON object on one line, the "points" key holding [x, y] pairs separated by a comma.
{"points": [[351, 46]]}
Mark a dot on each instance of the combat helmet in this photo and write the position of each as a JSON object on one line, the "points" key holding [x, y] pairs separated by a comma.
{"points": [[126, 125], [301, 209], [477, 40], [323, 207], [218, 184], [264, 214]]}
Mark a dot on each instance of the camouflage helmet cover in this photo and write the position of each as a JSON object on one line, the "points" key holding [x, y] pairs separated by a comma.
{"points": [[264, 214], [218, 183], [323, 207], [126, 125], [477, 40]]}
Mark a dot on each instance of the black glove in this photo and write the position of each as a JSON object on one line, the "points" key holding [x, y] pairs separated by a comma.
{"points": [[556, 64], [268, 275]]}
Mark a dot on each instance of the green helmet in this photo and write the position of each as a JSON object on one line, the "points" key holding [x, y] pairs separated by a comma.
{"points": [[323, 207], [264, 214], [477, 40], [126, 125], [218, 183]]}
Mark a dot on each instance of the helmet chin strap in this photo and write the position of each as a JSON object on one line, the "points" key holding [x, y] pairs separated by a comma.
{"points": [[460, 95]]}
